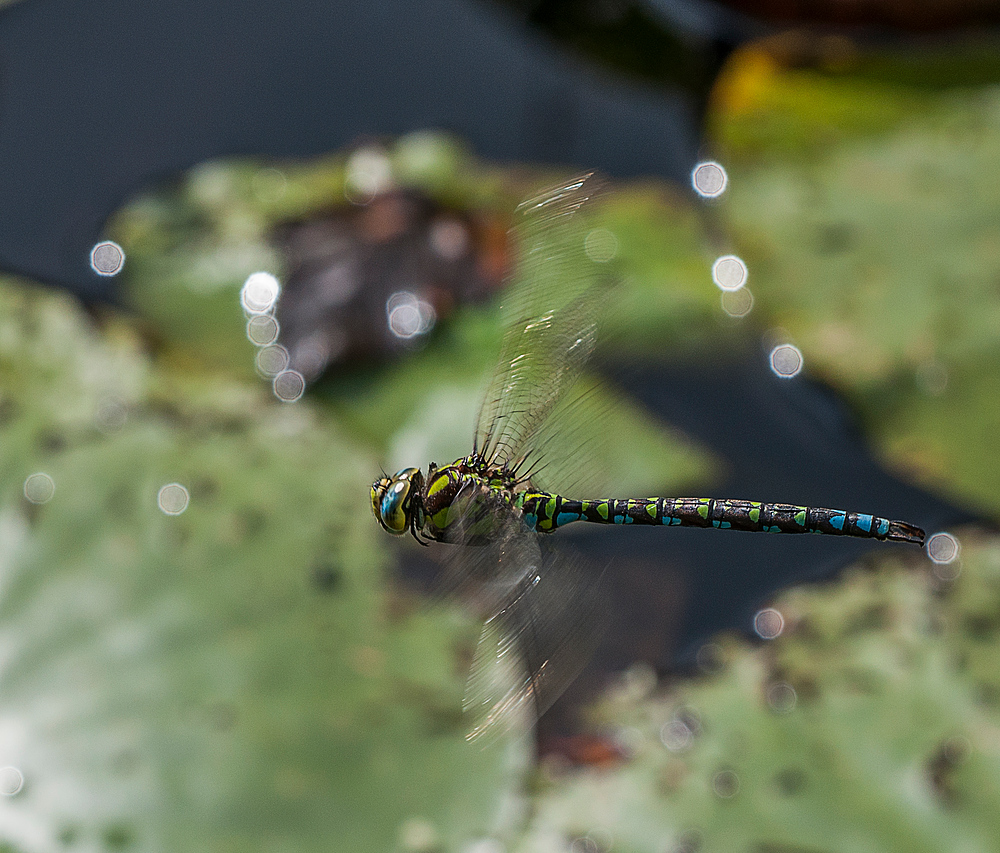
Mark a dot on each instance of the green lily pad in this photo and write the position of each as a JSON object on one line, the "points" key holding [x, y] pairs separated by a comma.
{"points": [[870, 724], [226, 671]]}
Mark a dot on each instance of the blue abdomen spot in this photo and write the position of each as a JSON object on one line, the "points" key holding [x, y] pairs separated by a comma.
{"points": [[838, 521], [883, 526], [566, 518], [865, 523], [531, 520]]}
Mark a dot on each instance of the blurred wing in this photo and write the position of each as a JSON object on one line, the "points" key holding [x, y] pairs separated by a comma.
{"points": [[550, 322], [539, 614], [531, 650]]}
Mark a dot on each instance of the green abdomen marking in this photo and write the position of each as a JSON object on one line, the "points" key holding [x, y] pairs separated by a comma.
{"points": [[546, 512]]}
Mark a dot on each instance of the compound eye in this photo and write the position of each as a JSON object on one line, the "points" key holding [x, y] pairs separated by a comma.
{"points": [[392, 510]]}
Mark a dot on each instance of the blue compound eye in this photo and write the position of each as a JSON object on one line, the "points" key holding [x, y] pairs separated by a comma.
{"points": [[393, 514], [391, 502]]}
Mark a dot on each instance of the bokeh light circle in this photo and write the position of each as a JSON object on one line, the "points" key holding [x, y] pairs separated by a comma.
{"points": [[676, 735], [172, 499], [107, 258], [39, 488], [781, 697], [262, 329], [729, 272], [368, 172], [271, 360], [726, 784], [408, 315], [11, 781], [709, 179], [289, 386], [449, 239], [260, 292], [768, 623], [737, 303], [786, 361], [943, 548]]}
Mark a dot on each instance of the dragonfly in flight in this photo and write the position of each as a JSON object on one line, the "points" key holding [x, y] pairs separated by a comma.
{"points": [[537, 613]]}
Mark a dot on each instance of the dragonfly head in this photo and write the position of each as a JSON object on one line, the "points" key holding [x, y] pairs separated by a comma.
{"points": [[396, 501]]}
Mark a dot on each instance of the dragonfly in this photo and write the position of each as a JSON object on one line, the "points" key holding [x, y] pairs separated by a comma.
{"points": [[538, 615]]}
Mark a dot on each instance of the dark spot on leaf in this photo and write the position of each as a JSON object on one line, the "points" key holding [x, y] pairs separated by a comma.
{"points": [[68, 835], [326, 577], [688, 842], [690, 718], [982, 626], [229, 426], [118, 837], [834, 238], [806, 688], [204, 489], [806, 631], [941, 766], [988, 694], [253, 522], [8, 412], [51, 442], [790, 781]]}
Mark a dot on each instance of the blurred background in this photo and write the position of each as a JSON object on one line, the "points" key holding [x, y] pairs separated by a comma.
{"points": [[253, 256]]}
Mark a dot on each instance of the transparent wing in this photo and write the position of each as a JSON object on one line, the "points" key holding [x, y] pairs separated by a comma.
{"points": [[567, 451], [540, 623], [550, 314], [531, 650]]}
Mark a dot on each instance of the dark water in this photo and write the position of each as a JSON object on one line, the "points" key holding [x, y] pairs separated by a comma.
{"points": [[99, 98]]}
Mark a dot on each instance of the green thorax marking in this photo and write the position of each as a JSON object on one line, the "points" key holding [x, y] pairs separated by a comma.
{"points": [[472, 483]]}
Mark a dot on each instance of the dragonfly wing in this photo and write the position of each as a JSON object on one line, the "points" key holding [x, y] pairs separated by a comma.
{"points": [[531, 650], [538, 612], [550, 313]]}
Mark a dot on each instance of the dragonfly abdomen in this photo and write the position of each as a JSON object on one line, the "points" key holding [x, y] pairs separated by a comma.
{"points": [[546, 512]]}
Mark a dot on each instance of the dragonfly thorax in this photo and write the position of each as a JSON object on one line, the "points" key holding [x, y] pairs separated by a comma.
{"points": [[426, 506]]}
